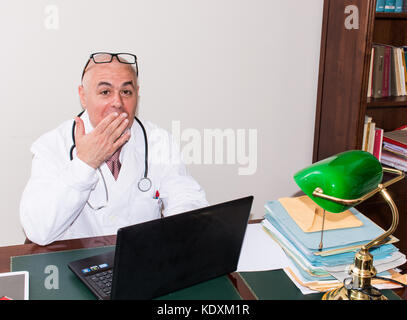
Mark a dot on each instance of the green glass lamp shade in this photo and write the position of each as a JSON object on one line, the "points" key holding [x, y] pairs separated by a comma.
{"points": [[348, 175]]}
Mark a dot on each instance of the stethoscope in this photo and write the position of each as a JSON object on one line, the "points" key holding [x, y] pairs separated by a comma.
{"points": [[143, 185]]}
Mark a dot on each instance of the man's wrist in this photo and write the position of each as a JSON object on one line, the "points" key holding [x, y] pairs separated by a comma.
{"points": [[90, 163], [82, 176]]}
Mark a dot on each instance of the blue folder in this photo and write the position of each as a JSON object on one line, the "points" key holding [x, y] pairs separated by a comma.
{"points": [[308, 243]]}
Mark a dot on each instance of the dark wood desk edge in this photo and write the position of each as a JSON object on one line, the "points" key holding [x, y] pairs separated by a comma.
{"points": [[26, 249]]}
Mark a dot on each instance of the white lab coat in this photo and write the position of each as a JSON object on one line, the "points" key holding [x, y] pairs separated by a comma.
{"points": [[54, 202]]}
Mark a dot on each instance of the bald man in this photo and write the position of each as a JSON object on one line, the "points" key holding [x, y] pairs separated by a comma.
{"points": [[109, 94], [94, 184]]}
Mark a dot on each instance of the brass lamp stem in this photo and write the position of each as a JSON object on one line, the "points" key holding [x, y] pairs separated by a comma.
{"points": [[394, 224]]}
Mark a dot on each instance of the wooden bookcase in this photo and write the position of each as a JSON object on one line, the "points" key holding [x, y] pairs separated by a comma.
{"points": [[342, 101]]}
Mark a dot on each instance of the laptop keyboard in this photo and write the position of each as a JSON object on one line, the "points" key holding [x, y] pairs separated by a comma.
{"points": [[102, 281]]}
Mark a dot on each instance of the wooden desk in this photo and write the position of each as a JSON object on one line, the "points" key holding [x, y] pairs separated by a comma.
{"points": [[26, 249]]}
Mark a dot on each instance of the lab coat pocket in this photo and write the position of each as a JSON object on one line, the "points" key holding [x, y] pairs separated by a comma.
{"points": [[157, 207], [145, 208]]}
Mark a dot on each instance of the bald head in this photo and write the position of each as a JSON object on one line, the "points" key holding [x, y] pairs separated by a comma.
{"points": [[109, 87], [114, 65]]}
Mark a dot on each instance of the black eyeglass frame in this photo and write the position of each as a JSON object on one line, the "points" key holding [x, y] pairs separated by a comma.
{"points": [[112, 55]]}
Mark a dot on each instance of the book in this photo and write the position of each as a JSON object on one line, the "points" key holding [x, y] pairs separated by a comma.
{"points": [[401, 152], [378, 65], [390, 6], [403, 59], [405, 52], [366, 132], [386, 72], [399, 6], [378, 143], [371, 137], [380, 5], [397, 81], [392, 160], [400, 54], [397, 137], [369, 86], [393, 76]]}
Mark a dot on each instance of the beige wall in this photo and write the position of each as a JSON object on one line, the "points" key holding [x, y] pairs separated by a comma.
{"points": [[250, 66]]}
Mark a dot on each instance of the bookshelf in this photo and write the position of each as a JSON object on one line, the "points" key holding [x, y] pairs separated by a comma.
{"points": [[342, 101], [386, 102], [390, 15]]}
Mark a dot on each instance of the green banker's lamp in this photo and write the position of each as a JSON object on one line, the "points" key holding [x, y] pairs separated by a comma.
{"points": [[339, 183]]}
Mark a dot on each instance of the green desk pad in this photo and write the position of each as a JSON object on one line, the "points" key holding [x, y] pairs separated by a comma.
{"points": [[69, 287], [276, 285]]}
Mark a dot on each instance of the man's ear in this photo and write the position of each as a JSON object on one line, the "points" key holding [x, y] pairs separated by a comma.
{"points": [[82, 96]]}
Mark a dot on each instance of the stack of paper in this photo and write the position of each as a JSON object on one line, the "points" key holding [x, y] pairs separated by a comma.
{"points": [[295, 224]]}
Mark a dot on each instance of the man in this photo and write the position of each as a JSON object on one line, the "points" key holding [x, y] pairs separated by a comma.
{"points": [[100, 181]]}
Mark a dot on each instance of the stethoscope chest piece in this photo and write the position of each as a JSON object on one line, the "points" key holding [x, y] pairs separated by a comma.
{"points": [[144, 184]]}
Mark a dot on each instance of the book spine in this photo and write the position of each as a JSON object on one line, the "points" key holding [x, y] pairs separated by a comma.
{"points": [[403, 59], [390, 6], [401, 70], [378, 72], [369, 87], [397, 71], [378, 142], [405, 55], [364, 137], [372, 131], [386, 72], [399, 6], [366, 132], [393, 87]]}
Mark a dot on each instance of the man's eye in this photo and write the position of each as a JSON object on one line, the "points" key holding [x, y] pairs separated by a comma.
{"points": [[104, 92], [127, 92]]}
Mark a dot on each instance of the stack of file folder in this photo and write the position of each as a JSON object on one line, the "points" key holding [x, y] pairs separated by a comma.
{"points": [[324, 269]]}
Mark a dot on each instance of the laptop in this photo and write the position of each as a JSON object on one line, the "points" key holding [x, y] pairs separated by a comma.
{"points": [[157, 257]]}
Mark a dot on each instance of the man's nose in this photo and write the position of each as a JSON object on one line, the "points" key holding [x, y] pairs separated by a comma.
{"points": [[117, 101]]}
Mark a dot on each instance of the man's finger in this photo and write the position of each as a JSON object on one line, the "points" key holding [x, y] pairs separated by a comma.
{"points": [[116, 133], [122, 140], [115, 124], [101, 127], [79, 128]]}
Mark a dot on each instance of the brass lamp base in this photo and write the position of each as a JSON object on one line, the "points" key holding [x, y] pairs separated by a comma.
{"points": [[359, 288], [344, 294]]}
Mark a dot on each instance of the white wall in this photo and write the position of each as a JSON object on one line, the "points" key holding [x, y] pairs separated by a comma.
{"points": [[204, 64]]}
